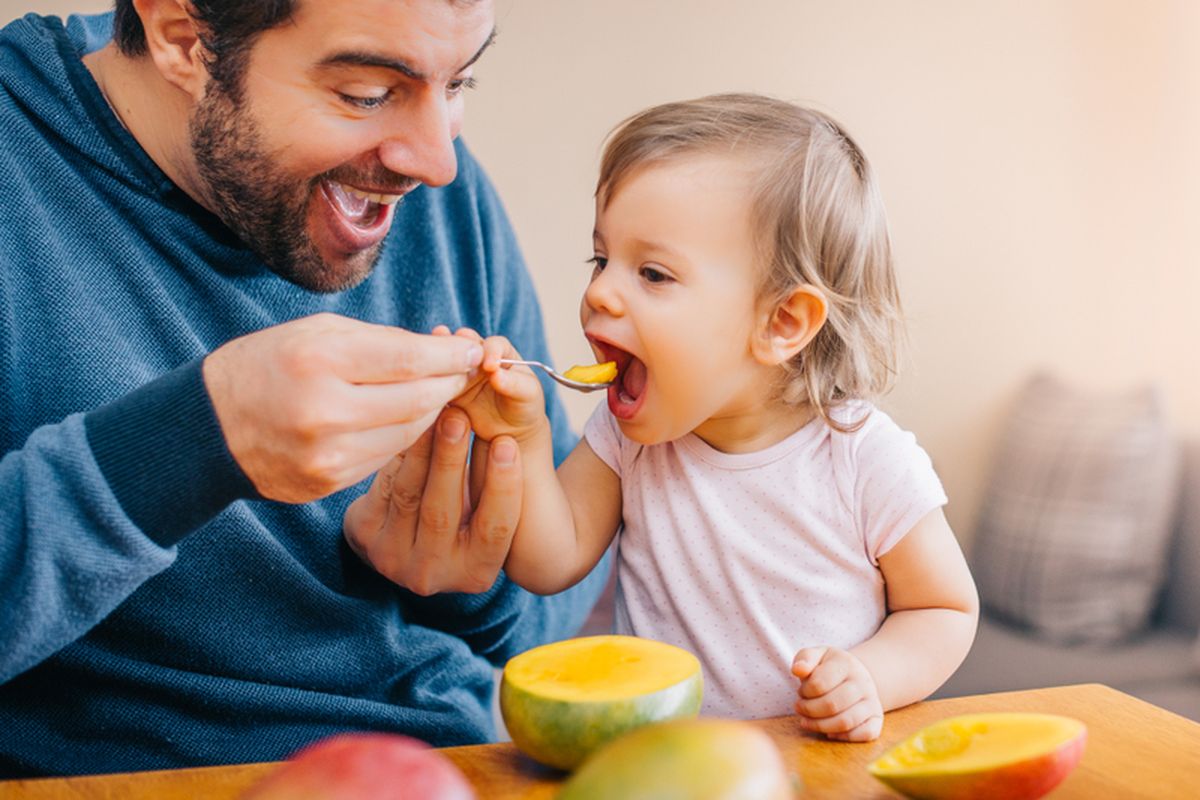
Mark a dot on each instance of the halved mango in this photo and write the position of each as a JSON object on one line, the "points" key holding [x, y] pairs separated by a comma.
{"points": [[561, 701], [996, 755], [593, 373]]}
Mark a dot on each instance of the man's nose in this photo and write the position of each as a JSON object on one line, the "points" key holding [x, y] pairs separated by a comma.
{"points": [[421, 143]]}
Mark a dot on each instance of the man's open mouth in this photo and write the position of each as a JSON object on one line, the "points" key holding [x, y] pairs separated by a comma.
{"points": [[358, 206]]}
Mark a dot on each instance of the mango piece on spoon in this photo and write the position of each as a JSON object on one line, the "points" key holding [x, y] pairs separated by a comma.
{"points": [[593, 373]]}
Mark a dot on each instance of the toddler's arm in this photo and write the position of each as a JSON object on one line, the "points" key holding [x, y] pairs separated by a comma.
{"points": [[932, 613], [567, 518]]}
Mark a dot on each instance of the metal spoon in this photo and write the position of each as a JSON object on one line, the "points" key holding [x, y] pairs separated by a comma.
{"points": [[579, 386]]}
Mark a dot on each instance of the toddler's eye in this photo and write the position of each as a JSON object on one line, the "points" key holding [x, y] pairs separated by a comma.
{"points": [[652, 275], [598, 263]]}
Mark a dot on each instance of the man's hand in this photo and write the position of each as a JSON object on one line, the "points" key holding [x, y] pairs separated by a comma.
{"points": [[317, 404], [837, 695], [415, 526]]}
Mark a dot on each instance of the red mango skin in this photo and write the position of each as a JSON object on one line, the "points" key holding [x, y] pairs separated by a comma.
{"points": [[358, 766], [1024, 780]]}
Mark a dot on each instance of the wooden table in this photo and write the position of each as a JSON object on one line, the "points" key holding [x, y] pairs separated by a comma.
{"points": [[1134, 750]]}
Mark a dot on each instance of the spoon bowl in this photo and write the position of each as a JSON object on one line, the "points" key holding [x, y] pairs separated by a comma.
{"points": [[579, 386]]}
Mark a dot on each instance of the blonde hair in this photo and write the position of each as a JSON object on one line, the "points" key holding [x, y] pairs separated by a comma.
{"points": [[819, 220]]}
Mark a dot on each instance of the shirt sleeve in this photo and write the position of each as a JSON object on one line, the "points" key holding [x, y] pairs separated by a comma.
{"points": [[895, 486], [604, 436]]}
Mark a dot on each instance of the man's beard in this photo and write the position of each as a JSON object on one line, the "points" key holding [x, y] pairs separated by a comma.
{"points": [[264, 206]]}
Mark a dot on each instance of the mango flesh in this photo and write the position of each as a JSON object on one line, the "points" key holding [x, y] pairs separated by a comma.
{"points": [[998, 755], [594, 373], [692, 759], [562, 701]]}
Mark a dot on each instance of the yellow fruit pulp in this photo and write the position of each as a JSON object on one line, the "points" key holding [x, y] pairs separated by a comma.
{"points": [[600, 668], [977, 742], [595, 373]]}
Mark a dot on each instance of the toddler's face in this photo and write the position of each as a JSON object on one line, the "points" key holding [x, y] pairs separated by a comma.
{"points": [[672, 299]]}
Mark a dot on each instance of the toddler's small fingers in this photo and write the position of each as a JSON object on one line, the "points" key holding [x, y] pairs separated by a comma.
{"points": [[867, 731], [831, 703], [829, 674], [441, 330], [807, 660], [843, 722]]}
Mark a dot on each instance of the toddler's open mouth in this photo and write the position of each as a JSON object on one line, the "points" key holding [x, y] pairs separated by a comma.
{"points": [[628, 391]]}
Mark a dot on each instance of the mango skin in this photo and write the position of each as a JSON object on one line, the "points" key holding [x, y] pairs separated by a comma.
{"points": [[562, 733], [365, 766], [692, 759], [1025, 779]]}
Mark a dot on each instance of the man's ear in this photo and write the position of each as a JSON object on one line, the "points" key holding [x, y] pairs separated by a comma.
{"points": [[173, 41], [788, 326]]}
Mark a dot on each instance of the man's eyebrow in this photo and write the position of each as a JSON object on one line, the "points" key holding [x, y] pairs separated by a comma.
{"points": [[363, 58]]}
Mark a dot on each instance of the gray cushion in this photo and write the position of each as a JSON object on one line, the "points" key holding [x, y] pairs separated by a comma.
{"points": [[1155, 666], [1181, 597], [1005, 658], [1072, 535]]}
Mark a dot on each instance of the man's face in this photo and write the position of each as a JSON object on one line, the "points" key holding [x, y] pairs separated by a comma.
{"points": [[340, 112]]}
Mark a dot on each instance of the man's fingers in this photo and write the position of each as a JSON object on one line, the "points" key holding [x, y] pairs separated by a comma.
{"points": [[367, 515], [496, 513], [442, 500], [380, 404], [380, 354]]}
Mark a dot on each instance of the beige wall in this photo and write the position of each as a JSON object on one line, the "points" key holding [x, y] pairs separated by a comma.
{"points": [[1040, 160]]}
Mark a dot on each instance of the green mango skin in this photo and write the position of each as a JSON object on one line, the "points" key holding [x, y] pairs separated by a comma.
{"points": [[694, 759], [561, 734]]}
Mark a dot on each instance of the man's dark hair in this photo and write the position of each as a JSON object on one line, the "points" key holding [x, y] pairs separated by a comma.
{"points": [[228, 30]]}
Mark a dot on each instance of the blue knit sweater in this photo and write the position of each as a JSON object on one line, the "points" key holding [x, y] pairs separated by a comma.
{"points": [[153, 612]]}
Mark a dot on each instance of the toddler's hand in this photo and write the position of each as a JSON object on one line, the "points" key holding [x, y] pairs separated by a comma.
{"points": [[500, 400], [837, 695]]}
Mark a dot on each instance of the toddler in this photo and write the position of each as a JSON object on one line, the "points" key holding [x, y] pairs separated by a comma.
{"points": [[771, 520]]}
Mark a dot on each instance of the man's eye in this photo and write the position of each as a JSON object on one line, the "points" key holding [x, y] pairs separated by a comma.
{"points": [[366, 103], [457, 87]]}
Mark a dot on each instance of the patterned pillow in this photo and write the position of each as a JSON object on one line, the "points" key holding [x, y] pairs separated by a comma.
{"points": [[1077, 515]]}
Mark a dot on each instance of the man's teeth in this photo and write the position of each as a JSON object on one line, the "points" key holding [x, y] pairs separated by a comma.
{"points": [[382, 199]]}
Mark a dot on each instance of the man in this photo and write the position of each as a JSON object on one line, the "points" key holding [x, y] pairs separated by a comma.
{"points": [[215, 229]]}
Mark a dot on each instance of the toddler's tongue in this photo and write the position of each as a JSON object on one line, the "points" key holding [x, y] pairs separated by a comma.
{"points": [[633, 379]]}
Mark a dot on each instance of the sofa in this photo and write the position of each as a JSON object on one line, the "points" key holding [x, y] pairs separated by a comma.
{"points": [[1159, 663], [1086, 549]]}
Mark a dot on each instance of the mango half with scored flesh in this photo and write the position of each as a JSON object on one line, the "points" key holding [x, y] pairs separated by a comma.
{"points": [[594, 373], [1014, 756], [686, 759], [562, 701]]}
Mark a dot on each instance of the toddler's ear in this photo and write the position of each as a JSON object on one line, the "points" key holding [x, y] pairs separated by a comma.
{"points": [[788, 326]]}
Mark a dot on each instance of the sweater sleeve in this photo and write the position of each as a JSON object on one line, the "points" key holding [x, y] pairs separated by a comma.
{"points": [[91, 508], [70, 555]]}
